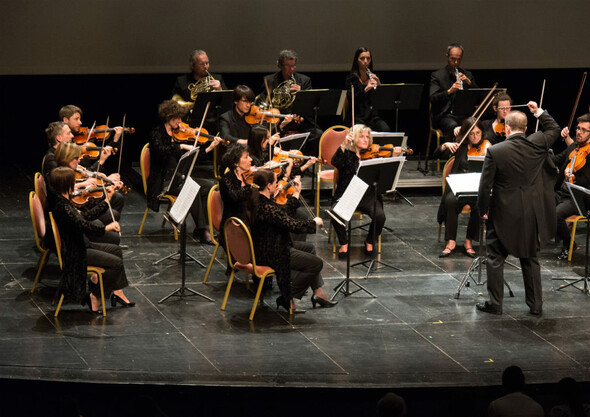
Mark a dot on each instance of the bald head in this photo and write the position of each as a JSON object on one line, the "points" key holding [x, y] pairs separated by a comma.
{"points": [[516, 121]]}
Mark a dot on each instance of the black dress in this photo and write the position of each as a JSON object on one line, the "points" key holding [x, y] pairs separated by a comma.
{"points": [[234, 196], [364, 113]]}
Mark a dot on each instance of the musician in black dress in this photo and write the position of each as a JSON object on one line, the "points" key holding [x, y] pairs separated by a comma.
{"points": [[78, 252], [364, 81], [295, 263]]}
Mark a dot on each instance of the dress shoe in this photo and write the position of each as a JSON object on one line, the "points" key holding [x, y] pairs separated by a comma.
{"points": [[446, 252], [343, 255], [86, 301], [536, 312], [204, 236], [116, 299], [322, 302], [286, 304], [565, 252], [469, 252], [488, 308], [367, 251]]}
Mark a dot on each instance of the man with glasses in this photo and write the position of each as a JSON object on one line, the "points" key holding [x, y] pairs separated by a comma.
{"points": [[232, 124], [579, 174]]}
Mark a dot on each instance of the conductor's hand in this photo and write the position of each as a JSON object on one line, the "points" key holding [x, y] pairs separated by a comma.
{"points": [[485, 216], [532, 106], [113, 226], [318, 221]]}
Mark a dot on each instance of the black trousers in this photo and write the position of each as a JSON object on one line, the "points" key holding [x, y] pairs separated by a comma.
{"points": [[453, 208], [110, 258], [566, 208], [447, 123], [377, 219], [306, 268], [531, 273]]}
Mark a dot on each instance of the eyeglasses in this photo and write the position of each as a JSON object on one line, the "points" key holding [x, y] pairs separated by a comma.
{"points": [[581, 129], [245, 100]]}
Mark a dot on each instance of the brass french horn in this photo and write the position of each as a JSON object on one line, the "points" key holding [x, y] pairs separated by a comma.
{"points": [[201, 86]]}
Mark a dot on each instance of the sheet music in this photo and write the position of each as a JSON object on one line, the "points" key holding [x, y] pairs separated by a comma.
{"points": [[351, 198], [294, 137], [464, 183], [184, 201], [182, 157]]}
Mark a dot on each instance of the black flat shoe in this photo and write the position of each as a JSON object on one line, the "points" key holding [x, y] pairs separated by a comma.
{"points": [[116, 299], [488, 308], [444, 254], [322, 302]]}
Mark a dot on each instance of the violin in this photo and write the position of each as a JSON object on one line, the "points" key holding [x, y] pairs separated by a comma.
{"points": [[81, 197], [100, 133], [273, 166], [480, 149], [284, 190], [101, 179], [89, 150], [381, 151], [186, 133], [297, 156], [500, 129], [272, 116]]}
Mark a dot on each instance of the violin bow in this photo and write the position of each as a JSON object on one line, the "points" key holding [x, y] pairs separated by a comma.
{"points": [[484, 101], [121, 146], [569, 125], [106, 197], [488, 100], [198, 132], [306, 206], [540, 103], [352, 96], [102, 146]]}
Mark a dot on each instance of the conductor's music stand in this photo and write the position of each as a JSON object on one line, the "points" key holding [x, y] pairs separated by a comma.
{"points": [[381, 173], [177, 217], [397, 97], [581, 197]]}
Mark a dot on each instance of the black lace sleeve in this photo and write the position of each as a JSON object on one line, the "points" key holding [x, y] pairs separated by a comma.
{"points": [[93, 209], [272, 214], [75, 220], [231, 189], [162, 144]]}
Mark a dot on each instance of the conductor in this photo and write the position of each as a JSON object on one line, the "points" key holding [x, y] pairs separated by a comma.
{"points": [[516, 197]]}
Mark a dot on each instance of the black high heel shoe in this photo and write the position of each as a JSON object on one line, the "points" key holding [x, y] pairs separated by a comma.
{"points": [[86, 301], [322, 302], [286, 304], [116, 299], [367, 251]]}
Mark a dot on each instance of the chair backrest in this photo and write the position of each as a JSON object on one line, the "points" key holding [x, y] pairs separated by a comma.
{"points": [[144, 163], [446, 171], [330, 140], [40, 188], [214, 210], [57, 238], [238, 242], [38, 219]]}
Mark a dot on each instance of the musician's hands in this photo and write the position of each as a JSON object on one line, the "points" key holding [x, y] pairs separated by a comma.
{"points": [[451, 146], [349, 138], [485, 216], [532, 107], [297, 186], [104, 155], [455, 87], [463, 78], [318, 221], [216, 84], [565, 134], [214, 142], [309, 163], [456, 130], [371, 84], [295, 88], [275, 138], [113, 226], [118, 133], [186, 147], [89, 182], [114, 177], [110, 191], [397, 151], [288, 119]]}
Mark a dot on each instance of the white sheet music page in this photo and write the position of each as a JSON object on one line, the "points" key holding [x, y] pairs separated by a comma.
{"points": [[351, 198], [464, 183], [184, 201]]}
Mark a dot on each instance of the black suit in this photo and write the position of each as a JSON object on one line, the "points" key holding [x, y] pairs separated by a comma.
{"points": [[442, 102], [516, 189]]}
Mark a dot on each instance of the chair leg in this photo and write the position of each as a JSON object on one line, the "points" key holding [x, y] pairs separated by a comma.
{"points": [[229, 282], [573, 235], [61, 300], [258, 292], [247, 281], [379, 245], [317, 195], [143, 220], [104, 306], [40, 266], [211, 263]]}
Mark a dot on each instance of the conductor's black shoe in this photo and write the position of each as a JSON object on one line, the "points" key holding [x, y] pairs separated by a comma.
{"points": [[488, 308], [536, 312]]}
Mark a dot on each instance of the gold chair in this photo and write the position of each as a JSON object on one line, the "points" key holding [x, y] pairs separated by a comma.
{"points": [[89, 269], [240, 255], [330, 140], [446, 171], [574, 221], [214, 213], [144, 161], [40, 188], [38, 219], [436, 132]]}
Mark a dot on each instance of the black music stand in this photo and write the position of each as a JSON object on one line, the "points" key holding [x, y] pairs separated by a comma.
{"points": [[221, 101], [381, 173], [342, 213], [177, 217], [581, 197], [322, 102], [183, 170], [397, 97], [467, 101]]}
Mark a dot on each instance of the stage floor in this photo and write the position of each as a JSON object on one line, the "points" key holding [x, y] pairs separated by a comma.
{"points": [[414, 334]]}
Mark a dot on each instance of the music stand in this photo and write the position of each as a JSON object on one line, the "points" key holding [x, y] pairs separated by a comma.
{"points": [[295, 141], [323, 102], [581, 197], [342, 213], [183, 170], [221, 101], [467, 101], [475, 163], [465, 188], [381, 173], [176, 217], [397, 97]]}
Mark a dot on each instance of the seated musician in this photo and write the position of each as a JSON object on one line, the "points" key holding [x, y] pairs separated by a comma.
{"points": [[72, 115], [346, 159], [294, 82], [78, 252], [296, 265], [232, 125], [450, 206], [165, 152], [364, 81], [493, 129], [579, 174]]}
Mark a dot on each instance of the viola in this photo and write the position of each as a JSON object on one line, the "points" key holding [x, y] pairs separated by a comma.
{"points": [[256, 115], [500, 129], [381, 151], [480, 149], [186, 133], [82, 197], [100, 133]]}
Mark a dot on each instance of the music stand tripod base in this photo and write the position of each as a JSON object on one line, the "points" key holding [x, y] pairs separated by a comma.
{"points": [[192, 258]]}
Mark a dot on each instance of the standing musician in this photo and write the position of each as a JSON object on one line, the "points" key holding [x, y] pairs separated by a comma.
{"points": [[516, 197], [444, 85], [165, 153], [450, 207], [296, 265], [364, 81], [198, 80], [579, 174], [72, 115], [78, 252], [346, 160]]}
